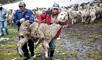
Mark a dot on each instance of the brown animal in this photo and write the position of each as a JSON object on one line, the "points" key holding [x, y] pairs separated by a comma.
{"points": [[10, 17], [98, 12]]}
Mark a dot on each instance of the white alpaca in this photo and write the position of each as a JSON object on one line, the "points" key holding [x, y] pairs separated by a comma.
{"points": [[62, 16], [43, 33], [23, 36]]}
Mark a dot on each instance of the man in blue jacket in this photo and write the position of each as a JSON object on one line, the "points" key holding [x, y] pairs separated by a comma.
{"points": [[21, 15]]}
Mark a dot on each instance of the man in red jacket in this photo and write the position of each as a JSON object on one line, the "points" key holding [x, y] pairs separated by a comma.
{"points": [[50, 17]]}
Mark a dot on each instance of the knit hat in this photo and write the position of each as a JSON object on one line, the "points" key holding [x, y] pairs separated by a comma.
{"points": [[55, 5]]}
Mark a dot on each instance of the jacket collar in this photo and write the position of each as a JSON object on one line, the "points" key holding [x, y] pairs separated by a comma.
{"points": [[21, 11]]}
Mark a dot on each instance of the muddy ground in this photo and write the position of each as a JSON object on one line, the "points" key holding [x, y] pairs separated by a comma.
{"points": [[81, 42], [77, 42]]}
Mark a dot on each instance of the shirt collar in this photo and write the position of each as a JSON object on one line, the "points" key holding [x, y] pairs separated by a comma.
{"points": [[21, 11]]}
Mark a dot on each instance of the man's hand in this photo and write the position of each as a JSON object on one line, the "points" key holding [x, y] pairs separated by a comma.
{"points": [[22, 20]]}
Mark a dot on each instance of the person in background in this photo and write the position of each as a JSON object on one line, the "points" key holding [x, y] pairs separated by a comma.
{"points": [[50, 17], [20, 16], [3, 21]]}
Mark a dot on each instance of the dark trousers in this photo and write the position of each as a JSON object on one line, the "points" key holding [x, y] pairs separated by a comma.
{"points": [[31, 48], [52, 47]]}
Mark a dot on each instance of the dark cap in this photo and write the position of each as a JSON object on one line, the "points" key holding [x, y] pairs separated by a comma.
{"points": [[22, 4]]}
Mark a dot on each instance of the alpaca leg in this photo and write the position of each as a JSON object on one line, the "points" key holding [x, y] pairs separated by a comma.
{"points": [[20, 45], [46, 47]]}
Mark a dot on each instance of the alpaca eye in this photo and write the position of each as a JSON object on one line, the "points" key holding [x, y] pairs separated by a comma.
{"points": [[26, 25], [22, 36]]}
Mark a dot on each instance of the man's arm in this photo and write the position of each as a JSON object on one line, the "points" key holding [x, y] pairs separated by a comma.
{"points": [[15, 18], [63, 23], [42, 16], [5, 14], [31, 18]]}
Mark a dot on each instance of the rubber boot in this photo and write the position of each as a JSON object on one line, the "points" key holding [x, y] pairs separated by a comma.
{"points": [[25, 51]]}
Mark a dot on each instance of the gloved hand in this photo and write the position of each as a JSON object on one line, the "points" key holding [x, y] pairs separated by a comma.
{"points": [[22, 20]]}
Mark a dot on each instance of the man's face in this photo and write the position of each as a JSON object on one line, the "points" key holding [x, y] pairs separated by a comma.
{"points": [[55, 11], [22, 8]]}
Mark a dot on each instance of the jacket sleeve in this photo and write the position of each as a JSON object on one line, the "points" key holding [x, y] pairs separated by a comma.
{"points": [[31, 18], [15, 18], [5, 14], [42, 16], [63, 23], [59, 31]]}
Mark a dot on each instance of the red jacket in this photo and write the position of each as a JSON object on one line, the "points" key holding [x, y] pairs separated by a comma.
{"points": [[47, 17]]}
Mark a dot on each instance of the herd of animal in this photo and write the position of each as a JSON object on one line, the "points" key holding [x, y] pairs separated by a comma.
{"points": [[86, 13]]}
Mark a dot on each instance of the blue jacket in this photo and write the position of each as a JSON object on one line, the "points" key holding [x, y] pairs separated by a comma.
{"points": [[3, 15], [19, 14]]}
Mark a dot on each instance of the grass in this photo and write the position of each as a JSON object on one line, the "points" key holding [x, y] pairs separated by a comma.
{"points": [[12, 34], [91, 54], [8, 47], [94, 25], [98, 36]]}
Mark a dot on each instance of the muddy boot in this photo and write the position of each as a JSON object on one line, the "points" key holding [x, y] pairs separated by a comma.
{"points": [[33, 55], [26, 56], [26, 52]]}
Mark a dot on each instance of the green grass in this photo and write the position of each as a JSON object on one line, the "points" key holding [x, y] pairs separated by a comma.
{"points": [[98, 36], [94, 25], [8, 47], [12, 34], [91, 54]]}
